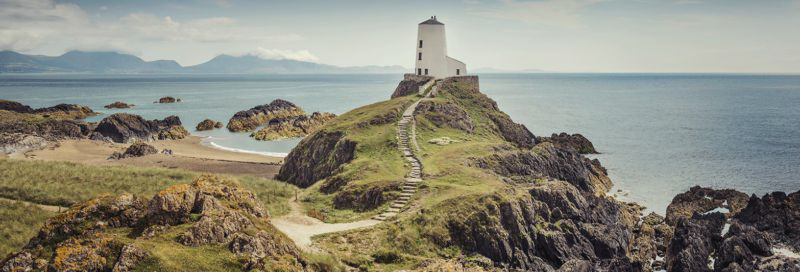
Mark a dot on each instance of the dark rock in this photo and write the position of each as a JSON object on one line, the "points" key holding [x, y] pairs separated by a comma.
{"points": [[575, 141], [547, 160], [138, 149], [249, 120], [15, 106], [776, 214], [515, 133], [700, 200], [130, 256], [118, 105], [316, 157], [363, 197], [168, 99], [208, 124], [741, 246], [166, 151], [410, 85], [125, 128], [693, 242]]}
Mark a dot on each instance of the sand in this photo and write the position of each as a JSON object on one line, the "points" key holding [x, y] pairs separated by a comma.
{"points": [[189, 154]]}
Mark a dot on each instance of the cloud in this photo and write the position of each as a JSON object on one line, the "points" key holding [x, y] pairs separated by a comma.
{"points": [[548, 13], [301, 55], [48, 26]]}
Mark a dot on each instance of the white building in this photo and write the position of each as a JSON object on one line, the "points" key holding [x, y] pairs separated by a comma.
{"points": [[431, 58]]}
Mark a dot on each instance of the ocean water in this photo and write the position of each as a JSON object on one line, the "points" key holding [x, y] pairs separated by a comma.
{"points": [[659, 134]]}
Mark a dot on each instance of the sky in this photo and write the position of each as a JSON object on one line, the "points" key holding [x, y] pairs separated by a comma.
{"points": [[684, 36]]}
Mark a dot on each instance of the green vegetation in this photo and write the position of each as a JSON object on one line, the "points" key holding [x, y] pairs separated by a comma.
{"points": [[20, 222], [65, 183]]}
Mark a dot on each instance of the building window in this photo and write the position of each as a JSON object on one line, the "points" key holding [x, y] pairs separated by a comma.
{"points": [[419, 56], [458, 71], [420, 43], [426, 71], [419, 71]]}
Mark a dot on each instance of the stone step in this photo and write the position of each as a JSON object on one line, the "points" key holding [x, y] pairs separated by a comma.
{"points": [[406, 194], [405, 187], [401, 202], [413, 180], [410, 190], [397, 205], [394, 210], [406, 198]]}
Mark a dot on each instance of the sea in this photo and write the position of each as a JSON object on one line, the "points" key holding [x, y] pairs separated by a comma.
{"points": [[658, 134]]}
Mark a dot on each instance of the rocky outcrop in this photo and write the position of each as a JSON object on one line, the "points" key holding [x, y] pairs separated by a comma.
{"points": [[126, 128], [249, 120], [168, 99], [445, 114], [18, 142], [574, 141], [701, 200], [316, 157], [118, 105], [551, 225], [138, 149], [735, 238], [548, 161], [60, 111], [50, 129], [410, 85], [208, 124], [211, 211], [281, 128]]}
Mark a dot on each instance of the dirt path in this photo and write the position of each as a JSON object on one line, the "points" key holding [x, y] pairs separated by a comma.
{"points": [[301, 227]]}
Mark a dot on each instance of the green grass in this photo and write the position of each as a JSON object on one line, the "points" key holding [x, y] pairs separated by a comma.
{"points": [[20, 222], [65, 183]]}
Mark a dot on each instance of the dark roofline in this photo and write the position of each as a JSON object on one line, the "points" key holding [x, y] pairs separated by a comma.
{"points": [[431, 21]]}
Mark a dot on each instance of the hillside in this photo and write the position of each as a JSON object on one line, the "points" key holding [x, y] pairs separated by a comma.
{"points": [[118, 63]]}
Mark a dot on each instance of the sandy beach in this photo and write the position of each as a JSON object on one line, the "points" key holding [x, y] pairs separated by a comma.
{"points": [[189, 154]]}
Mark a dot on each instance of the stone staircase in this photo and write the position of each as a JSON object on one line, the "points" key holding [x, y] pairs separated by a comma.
{"points": [[406, 136]]}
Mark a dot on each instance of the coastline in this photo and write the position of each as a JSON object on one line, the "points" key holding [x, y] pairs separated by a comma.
{"points": [[189, 154]]}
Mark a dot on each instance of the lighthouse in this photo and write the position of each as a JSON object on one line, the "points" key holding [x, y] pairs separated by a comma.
{"points": [[431, 58]]}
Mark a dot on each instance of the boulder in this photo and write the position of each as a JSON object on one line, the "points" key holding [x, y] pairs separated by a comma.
{"points": [[168, 99], [281, 128], [445, 114], [15, 106], [138, 149], [249, 120], [208, 124], [118, 105], [126, 128], [316, 157], [18, 142]]}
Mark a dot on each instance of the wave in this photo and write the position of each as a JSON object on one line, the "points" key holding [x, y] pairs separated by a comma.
{"points": [[271, 154]]}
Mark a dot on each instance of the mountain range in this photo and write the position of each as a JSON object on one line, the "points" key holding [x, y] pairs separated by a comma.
{"points": [[118, 63]]}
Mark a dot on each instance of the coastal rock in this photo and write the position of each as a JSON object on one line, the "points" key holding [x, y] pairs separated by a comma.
{"points": [[445, 114], [700, 200], [168, 99], [249, 120], [316, 157], [60, 111], [15, 106], [118, 105], [442, 141], [138, 149], [776, 214], [50, 129], [546, 160], [575, 141], [213, 211], [125, 128], [208, 124], [364, 197], [281, 128], [410, 85], [693, 242], [18, 142]]}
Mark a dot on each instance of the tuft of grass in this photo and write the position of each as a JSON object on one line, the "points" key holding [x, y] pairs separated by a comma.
{"points": [[21, 221]]}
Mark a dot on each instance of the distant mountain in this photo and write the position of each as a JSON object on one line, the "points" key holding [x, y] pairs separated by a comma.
{"points": [[487, 70], [117, 63]]}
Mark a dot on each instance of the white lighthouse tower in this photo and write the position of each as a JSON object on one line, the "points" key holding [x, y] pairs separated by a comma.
{"points": [[431, 58]]}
